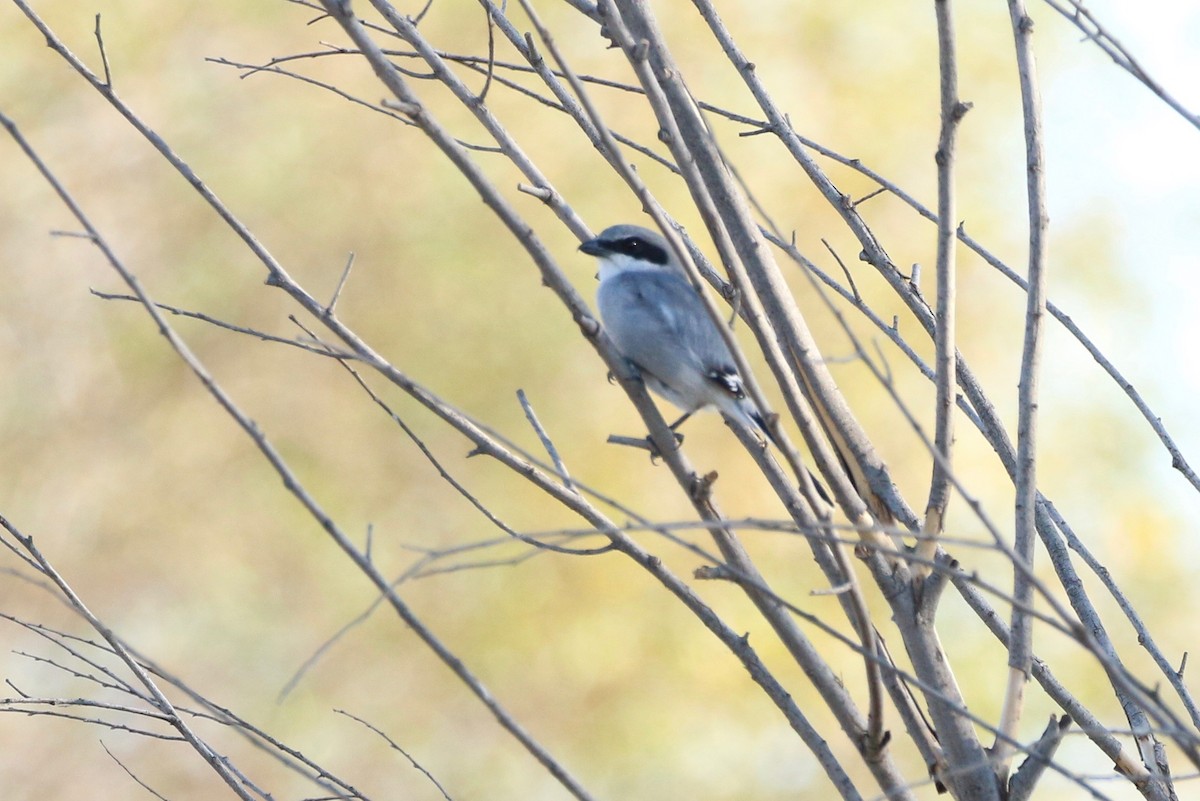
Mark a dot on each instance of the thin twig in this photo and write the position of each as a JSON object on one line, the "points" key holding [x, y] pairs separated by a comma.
{"points": [[103, 54], [201, 747], [337, 292], [445, 474], [316, 347], [129, 772], [547, 443], [395, 747], [1020, 650], [952, 111], [1078, 14], [277, 277]]}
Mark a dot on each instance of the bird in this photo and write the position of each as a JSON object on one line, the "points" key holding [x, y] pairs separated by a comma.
{"points": [[659, 323]]}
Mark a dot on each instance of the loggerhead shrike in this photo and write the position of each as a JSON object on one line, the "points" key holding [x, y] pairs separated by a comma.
{"points": [[659, 323]]}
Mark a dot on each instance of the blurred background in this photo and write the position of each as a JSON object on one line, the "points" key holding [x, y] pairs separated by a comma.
{"points": [[173, 528]]}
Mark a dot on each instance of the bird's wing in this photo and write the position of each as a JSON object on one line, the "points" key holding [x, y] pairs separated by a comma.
{"points": [[660, 324]]}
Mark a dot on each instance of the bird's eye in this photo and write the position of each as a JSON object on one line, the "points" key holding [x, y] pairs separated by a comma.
{"points": [[639, 248]]}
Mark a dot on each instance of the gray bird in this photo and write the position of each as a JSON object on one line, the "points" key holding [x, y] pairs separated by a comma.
{"points": [[659, 323]]}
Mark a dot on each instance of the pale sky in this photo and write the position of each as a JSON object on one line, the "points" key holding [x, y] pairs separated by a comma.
{"points": [[1120, 146]]}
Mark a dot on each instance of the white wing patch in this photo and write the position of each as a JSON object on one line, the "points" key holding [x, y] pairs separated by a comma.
{"points": [[728, 380]]}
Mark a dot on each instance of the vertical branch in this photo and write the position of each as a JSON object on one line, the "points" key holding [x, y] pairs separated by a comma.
{"points": [[1020, 651], [953, 110]]}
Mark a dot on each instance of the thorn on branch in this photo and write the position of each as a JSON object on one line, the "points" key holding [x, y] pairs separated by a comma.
{"points": [[103, 55], [714, 573], [758, 130], [337, 292], [542, 193], [534, 56], [421, 14], [867, 197], [409, 109], [840, 589], [480, 148], [701, 488], [642, 443]]}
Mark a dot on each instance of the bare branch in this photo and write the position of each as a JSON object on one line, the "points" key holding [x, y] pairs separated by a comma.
{"points": [[1021, 786], [160, 700], [392, 744], [547, 443], [952, 111], [121, 764], [485, 138], [337, 292], [103, 59], [1020, 651], [318, 348], [1078, 14]]}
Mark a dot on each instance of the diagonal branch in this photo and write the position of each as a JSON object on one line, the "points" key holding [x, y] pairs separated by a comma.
{"points": [[256, 435], [1078, 14]]}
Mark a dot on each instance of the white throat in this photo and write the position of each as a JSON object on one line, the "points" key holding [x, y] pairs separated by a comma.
{"points": [[613, 264]]}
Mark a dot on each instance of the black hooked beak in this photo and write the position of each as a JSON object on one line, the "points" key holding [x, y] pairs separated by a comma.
{"points": [[593, 247]]}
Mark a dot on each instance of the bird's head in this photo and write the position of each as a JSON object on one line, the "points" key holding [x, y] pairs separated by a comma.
{"points": [[630, 247]]}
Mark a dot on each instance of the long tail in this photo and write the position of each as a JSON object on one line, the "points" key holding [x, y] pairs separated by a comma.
{"points": [[756, 417]]}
